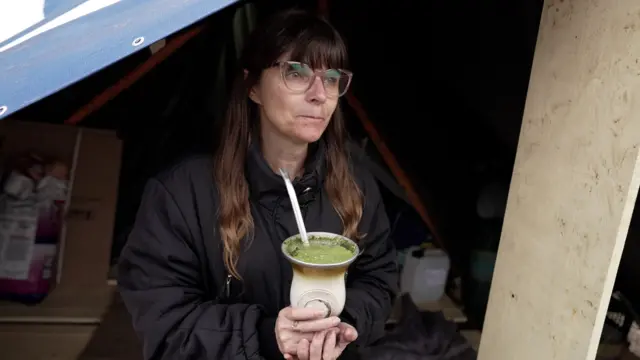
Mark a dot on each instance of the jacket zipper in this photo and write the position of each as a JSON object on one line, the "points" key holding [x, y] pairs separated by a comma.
{"points": [[227, 287], [225, 293]]}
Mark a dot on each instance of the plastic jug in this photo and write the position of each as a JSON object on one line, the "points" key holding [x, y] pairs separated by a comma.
{"points": [[424, 275]]}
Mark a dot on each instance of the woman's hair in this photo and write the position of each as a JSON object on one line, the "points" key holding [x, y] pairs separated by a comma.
{"points": [[309, 39]]}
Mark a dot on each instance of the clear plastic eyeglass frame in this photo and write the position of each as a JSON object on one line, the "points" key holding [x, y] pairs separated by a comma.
{"points": [[345, 74]]}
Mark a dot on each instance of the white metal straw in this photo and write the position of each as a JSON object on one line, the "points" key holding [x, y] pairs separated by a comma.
{"points": [[296, 207]]}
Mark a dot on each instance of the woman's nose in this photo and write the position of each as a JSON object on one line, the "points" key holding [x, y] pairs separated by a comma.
{"points": [[317, 92]]}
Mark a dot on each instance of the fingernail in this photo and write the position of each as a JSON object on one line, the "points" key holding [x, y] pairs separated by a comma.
{"points": [[335, 320]]}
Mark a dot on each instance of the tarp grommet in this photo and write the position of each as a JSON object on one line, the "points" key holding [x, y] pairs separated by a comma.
{"points": [[138, 41]]}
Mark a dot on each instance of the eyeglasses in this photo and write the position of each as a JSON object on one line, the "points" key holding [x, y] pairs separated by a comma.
{"points": [[299, 77]]}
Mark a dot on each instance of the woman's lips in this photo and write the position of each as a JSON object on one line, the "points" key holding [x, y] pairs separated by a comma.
{"points": [[311, 117]]}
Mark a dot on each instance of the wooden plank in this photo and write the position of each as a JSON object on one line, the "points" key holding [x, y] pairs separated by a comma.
{"points": [[574, 185], [449, 309], [473, 337], [115, 328], [112, 339], [605, 351], [86, 306], [44, 342]]}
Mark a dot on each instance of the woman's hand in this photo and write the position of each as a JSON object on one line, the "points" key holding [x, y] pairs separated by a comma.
{"points": [[347, 335], [296, 324], [328, 344]]}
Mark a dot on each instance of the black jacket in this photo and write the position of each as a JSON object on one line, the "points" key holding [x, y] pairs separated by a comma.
{"points": [[171, 273]]}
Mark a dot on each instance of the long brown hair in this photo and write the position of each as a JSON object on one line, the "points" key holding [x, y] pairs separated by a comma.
{"points": [[308, 39]]}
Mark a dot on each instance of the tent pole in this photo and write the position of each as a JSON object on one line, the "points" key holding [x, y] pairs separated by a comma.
{"points": [[122, 84]]}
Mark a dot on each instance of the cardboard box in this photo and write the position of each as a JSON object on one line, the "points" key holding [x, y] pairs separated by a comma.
{"points": [[94, 158]]}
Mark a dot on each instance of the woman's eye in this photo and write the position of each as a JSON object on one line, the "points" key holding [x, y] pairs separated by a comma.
{"points": [[332, 80]]}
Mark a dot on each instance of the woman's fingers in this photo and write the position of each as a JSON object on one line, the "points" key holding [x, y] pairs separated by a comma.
{"points": [[316, 347], [317, 325], [341, 344], [300, 329], [302, 351], [301, 314], [290, 345], [348, 332], [329, 347]]}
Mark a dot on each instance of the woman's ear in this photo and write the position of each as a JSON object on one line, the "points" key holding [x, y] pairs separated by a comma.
{"points": [[254, 94]]}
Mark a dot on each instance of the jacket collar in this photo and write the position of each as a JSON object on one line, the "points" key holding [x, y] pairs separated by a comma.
{"points": [[268, 187]]}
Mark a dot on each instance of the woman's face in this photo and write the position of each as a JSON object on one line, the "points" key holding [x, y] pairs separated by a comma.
{"points": [[294, 102]]}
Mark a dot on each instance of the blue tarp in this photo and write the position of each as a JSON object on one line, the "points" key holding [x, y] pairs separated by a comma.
{"points": [[46, 45]]}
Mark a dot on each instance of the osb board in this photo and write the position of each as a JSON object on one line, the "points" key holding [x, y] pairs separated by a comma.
{"points": [[61, 306]]}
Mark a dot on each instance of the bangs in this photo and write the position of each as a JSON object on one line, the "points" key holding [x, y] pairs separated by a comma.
{"points": [[319, 51], [298, 35]]}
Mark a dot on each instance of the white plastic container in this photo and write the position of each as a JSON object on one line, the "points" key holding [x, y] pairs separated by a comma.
{"points": [[424, 275]]}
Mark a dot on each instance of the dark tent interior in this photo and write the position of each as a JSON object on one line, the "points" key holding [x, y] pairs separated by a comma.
{"points": [[444, 84]]}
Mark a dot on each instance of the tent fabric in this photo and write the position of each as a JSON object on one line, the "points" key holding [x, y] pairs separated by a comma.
{"points": [[46, 45]]}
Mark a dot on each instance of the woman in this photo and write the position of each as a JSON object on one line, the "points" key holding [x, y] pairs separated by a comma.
{"points": [[202, 273]]}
